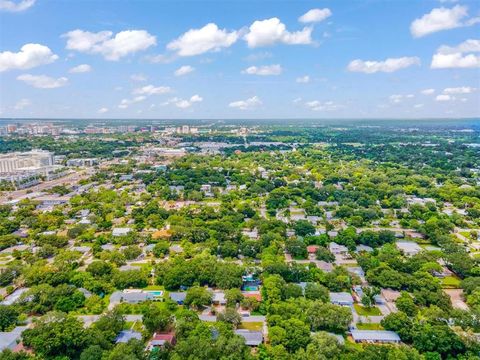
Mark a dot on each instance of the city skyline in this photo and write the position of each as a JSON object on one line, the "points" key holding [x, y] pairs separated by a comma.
{"points": [[307, 59]]}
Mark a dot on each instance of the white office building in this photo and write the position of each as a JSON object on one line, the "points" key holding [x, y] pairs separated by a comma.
{"points": [[33, 160]]}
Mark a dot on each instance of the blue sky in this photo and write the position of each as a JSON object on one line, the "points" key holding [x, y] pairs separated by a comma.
{"points": [[239, 59]]}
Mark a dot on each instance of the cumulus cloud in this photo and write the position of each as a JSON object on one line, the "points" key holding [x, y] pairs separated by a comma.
{"points": [[199, 41], [459, 90], [152, 90], [271, 31], [16, 6], [102, 110], [43, 81], [138, 77], [83, 68], [111, 47], [183, 103], [247, 104], [398, 98], [125, 103], [22, 104], [317, 105], [303, 79], [418, 106], [266, 70], [444, 97], [441, 19], [460, 56], [388, 65], [29, 56], [428, 92], [184, 70], [315, 15]]}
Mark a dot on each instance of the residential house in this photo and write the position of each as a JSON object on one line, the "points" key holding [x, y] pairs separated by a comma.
{"points": [[375, 336], [160, 340], [337, 249], [178, 297], [252, 338], [9, 340], [341, 298], [218, 298], [121, 231], [409, 248], [126, 335]]}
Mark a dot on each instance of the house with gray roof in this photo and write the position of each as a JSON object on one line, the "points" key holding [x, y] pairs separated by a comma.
{"points": [[126, 335], [9, 340], [341, 298], [375, 336], [252, 338], [178, 297]]}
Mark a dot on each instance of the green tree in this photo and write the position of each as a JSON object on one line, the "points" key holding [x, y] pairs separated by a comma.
{"points": [[56, 334], [8, 317], [157, 318], [198, 297]]}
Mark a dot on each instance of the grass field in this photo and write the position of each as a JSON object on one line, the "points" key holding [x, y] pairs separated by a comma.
{"points": [[451, 282], [363, 311], [369, 326], [253, 326]]}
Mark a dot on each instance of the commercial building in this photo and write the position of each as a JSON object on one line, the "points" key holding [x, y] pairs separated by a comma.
{"points": [[25, 161]]}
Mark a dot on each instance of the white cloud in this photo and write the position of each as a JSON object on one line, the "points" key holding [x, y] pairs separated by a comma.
{"points": [[399, 98], [263, 70], [138, 77], [83, 68], [247, 104], [184, 70], [199, 41], [29, 56], [43, 81], [315, 15], [125, 103], [16, 6], [22, 103], [470, 45], [457, 60], [183, 103], [303, 79], [418, 106], [270, 31], [110, 47], [388, 66], [102, 110], [441, 19], [455, 57], [428, 92], [459, 90], [152, 90], [196, 98], [317, 105], [443, 97]]}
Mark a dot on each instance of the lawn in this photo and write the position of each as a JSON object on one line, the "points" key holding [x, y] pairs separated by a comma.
{"points": [[369, 326], [451, 282], [252, 326], [154, 287], [363, 311], [133, 325]]}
